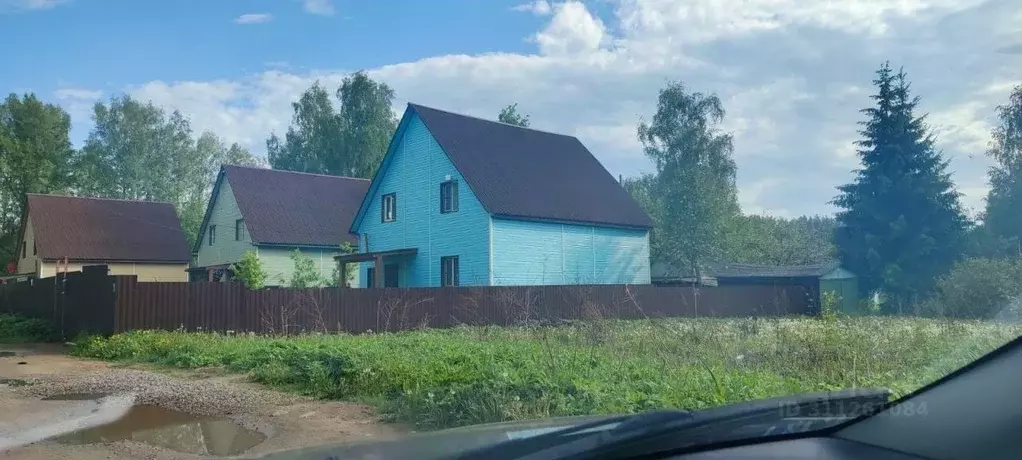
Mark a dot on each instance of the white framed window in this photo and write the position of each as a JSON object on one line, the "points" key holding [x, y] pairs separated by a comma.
{"points": [[239, 230], [449, 271], [448, 197], [388, 207], [212, 234]]}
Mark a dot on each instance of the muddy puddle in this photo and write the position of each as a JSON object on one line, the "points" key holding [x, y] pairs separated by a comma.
{"points": [[7, 354], [14, 382], [179, 431], [75, 397]]}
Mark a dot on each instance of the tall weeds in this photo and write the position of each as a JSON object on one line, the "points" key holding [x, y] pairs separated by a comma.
{"points": [[476, 374]]}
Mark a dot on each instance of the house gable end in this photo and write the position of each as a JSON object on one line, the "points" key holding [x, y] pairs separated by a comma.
{"points": [[415, 172], [224, 212], [220, 177]]}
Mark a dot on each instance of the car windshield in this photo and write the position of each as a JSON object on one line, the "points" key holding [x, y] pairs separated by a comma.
{"points": [[275, 225]]}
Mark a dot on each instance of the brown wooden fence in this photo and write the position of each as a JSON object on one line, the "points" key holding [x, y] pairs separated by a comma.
{"points": [[95, 302]]}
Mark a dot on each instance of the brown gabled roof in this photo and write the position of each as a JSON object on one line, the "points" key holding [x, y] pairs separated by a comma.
{"points": [[292, 208], [98, 229]]}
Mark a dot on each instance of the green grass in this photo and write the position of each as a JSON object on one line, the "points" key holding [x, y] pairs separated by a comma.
{"points": [[18, 329], [445, 378]]}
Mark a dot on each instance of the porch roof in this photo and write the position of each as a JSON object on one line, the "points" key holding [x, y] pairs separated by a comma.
{"points": [[367, 256]]}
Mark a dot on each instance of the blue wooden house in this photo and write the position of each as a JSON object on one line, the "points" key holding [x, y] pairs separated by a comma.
{"points": [[462, 201]]}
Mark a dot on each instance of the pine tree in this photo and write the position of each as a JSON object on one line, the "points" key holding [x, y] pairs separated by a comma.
{"points": [[901, 223]]}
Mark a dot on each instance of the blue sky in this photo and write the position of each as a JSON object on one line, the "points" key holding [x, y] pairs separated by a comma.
{"points": [[792, 73]]}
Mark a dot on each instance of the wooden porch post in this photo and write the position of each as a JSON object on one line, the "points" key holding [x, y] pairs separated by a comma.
{"points": [[378, 272], [343, 282]]}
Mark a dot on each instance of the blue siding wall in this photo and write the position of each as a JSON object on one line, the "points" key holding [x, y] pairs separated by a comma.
{"points": [[538, 253], [415, 171]]}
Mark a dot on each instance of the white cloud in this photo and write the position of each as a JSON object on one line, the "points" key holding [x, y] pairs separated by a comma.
{"points": [[538, 7], [703, 20], [28, 5], [320, 7], [572, 30], [792, 76], [253, 18]]}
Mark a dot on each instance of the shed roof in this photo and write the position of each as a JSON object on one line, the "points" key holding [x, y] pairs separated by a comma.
{"points": [[774, 271], [293, 208], [98, 229], [527, 173]]}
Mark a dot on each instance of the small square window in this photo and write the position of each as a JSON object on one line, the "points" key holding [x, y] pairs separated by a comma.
{"points": [[212, 234], [239, 230], [448, 197], [449, 271], [388, 207]]}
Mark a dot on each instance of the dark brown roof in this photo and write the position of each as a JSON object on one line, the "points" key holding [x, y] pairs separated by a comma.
{"points": [[774, 271], [522, 172], [105, 229], [291, 208]]}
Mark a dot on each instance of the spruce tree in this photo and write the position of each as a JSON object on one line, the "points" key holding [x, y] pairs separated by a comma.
{"points": [[901, 224]]}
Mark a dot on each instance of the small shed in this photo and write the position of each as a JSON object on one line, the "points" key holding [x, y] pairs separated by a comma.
{"points": [[818, 279], [666, 274]]}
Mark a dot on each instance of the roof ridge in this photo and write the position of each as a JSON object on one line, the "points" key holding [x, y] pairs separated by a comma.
{"points": [[96, 198], [295, 172], [493, 121]]}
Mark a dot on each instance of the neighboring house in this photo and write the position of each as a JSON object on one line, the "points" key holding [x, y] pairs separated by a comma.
{"points": [[816, 279], [463, 201], [130, 237], [273, 213]]}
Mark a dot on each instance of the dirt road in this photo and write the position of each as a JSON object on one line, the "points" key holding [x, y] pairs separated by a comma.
{"points": [[197, 414]]}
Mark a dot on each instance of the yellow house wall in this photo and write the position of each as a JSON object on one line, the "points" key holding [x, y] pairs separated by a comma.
{"points": [[145, 272]]}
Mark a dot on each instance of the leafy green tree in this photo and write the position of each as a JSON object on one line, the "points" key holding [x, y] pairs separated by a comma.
{"points": [[305, 274], [777, 241], [643, 191], [1002, 218], [250, 271], [695, 178], [35, 157], [901, 224], [137, 151], [511, 116], [350, 141]]}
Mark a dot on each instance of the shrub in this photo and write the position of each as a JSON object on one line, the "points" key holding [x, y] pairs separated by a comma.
{"points": [[305, 274], [978, 288], [250, 271], [19, 329]]}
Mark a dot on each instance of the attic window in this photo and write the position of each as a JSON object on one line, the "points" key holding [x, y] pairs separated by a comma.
{"points": [[388, 207], [24, 248], [212, 234], [239, 230], [448, 197], [35, 249]]}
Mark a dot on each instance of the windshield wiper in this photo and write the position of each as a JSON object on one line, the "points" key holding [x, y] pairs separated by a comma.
{"points": [[652, 431]]}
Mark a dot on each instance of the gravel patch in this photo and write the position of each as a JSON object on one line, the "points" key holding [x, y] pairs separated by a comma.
{"points": [[202, 397]]}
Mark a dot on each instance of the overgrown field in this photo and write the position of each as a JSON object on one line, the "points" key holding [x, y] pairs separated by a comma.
{"points": [[444, 378], [18, 329]]}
